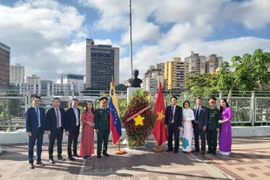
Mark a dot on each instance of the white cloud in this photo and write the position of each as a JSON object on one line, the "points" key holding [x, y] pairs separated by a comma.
{"points": [[151, 55], [40, 34], [253, 14]]}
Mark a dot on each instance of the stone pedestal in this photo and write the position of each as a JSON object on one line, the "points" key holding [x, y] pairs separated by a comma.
{"points": [[130, 92]]}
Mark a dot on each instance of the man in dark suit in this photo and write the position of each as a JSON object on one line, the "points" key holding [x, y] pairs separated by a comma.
{"points": [[173, 124], [200, 125], [35, 128], [55, 124], [72, 128]]}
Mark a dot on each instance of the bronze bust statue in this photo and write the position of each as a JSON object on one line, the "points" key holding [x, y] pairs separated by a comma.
{"points": [[135, 81]]}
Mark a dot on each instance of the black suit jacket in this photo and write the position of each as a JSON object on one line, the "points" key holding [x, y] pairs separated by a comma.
{"points": [[203, 116], [70, 119], [31, 121], [51, 121], [177, 116]]}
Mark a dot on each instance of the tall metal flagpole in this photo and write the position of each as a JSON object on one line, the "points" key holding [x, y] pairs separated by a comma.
{"points": [[130, 30]]}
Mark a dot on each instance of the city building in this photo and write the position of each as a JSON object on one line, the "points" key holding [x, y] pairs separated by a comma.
{"points": [[27, 89], [34, 79], [46, 87], [152, 77], [62, 89], [4, 66], [75, 79], [213, 62], [102, 64], [17, 74], [175, 74], [193, 62], [203, 64]]}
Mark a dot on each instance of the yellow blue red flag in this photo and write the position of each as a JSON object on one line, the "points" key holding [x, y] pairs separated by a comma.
{"points": [[115, 123]]}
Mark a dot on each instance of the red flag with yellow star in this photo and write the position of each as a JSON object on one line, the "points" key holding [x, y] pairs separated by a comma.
{"points": [[159, 130]]}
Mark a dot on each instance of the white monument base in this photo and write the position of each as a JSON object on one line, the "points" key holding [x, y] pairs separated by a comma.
{"points": [[130, 91]]}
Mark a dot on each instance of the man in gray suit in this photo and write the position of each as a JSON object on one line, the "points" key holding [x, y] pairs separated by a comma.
{"points": [[200, 125]]}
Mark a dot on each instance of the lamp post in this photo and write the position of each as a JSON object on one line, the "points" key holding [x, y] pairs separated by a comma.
{"points": [[130, 30]]}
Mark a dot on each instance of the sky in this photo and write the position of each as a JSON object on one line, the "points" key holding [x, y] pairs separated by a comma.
{"points": [[48, 36]]}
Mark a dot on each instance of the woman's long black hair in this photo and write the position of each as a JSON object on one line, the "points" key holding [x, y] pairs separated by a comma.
{"points": [[86, 108], [225, 100]]}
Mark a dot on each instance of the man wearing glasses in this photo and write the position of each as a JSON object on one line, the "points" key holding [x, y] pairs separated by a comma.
{"points": [[102, 126]]}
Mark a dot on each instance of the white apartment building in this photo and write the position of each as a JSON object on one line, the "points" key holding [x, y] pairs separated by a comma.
{"points": [[33, 79], [16, 74]]}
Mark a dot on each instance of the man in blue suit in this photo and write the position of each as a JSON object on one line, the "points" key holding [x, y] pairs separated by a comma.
{"points": [[72, 128], [35, 128], [55, 126], [200, 125]]}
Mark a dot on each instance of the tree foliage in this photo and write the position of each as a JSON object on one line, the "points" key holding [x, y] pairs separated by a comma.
{"points": [[246, 73]]}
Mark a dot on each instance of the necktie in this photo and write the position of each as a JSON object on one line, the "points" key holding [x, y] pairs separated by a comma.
{"points": [[37, 117], [197, 114], [172, 114], [57, 118]]}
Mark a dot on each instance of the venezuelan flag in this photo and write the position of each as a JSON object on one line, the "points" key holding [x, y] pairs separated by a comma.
{"points": [[115, 123]]}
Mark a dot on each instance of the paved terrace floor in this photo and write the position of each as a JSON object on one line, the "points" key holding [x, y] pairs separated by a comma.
{"points": [[250, 159]]}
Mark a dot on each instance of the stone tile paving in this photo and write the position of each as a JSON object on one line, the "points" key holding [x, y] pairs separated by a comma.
{"points": [[250, 159]]}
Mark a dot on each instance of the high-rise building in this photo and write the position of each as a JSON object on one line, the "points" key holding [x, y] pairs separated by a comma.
{"points": [[33, 79], [152, 77], [102, 64], [213, 62], [175, 74], [202, 64], [193, 62], [76, 79], [4, 65], [16, 74]]}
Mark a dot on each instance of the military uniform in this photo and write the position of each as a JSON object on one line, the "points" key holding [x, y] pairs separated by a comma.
{"points": [[102, 124], [213, 118]]}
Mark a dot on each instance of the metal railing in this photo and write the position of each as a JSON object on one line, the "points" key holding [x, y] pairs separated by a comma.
{"points": [[247, 111]]}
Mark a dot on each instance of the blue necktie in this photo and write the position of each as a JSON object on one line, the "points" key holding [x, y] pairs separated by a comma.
{"points": [[197, 114], [37, 116]]}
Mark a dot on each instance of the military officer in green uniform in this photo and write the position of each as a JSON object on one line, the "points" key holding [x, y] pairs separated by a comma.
{"points": [[102, 126], [213, 126]]}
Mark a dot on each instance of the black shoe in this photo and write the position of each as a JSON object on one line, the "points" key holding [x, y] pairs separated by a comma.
{"points": [[31, 166], [98, 156], [214, 153], [169, 150], [51, 161], [175, 151], [106, 154], [71, 158], [40, 163], [76, 155], [60, 158], [209, 152]]}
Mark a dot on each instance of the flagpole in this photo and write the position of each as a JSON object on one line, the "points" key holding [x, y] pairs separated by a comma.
{"points": [[119, 151]]}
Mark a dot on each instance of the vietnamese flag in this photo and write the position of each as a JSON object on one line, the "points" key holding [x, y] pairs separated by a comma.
{"points": [[159, 130], [115, 123]]}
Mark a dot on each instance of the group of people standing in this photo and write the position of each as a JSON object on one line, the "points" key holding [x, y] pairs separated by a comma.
{"points": [[56, 121], [202, 122]]}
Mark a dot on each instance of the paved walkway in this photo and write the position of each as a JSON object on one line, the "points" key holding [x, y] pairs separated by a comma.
{"points": [[250, 160]]}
